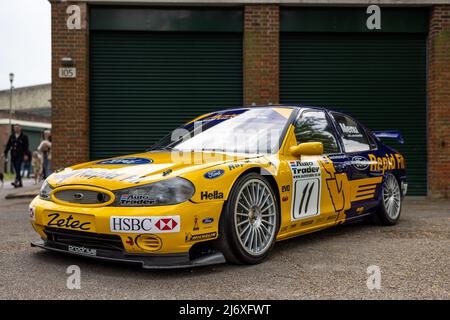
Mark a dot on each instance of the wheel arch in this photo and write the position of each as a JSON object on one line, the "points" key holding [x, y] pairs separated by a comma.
{"points": [[224, 242], [266, 174], [398, 176], [270, 178]]}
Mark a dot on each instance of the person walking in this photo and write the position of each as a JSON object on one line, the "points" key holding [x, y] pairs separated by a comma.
{"points": [[18, 145], [2, 169], [45, 148]]}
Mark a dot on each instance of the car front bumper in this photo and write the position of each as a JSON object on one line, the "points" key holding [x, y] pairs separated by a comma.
{"points": [[146, 261], [197, 223]]}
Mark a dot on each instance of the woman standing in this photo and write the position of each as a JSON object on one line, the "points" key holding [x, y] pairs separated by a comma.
{"points": [[45, 148]]}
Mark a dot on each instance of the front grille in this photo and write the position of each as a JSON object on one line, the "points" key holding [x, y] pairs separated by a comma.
{"points": [[86, 239], [81, 196]]}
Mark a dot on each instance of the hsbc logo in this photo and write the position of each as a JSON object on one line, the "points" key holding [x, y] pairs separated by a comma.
{"points": [[145, 224], [166, 224]]}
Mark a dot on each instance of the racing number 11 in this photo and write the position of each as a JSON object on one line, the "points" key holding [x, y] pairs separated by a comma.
{"points": [[306, 201]]}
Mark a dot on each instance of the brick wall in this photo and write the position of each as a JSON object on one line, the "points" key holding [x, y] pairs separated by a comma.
{"points": [[5, 131], [261, 83], [261, 54], [439, 102], [70, 112]]}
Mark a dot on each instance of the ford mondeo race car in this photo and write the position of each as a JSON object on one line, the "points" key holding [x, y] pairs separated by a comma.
{"points": [[223, 187]]}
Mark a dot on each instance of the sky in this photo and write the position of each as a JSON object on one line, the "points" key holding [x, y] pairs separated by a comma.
{"points": [[25, 42]]}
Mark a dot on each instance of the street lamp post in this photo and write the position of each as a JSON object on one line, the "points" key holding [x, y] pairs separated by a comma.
{"points": [[11, 79]]}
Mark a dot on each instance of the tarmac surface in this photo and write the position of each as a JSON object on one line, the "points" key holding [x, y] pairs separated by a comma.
{"points": [[413, 258]]}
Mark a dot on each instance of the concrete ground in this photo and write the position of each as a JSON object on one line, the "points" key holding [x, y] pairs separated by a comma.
{"points": [[29, 189], [413, 257]]}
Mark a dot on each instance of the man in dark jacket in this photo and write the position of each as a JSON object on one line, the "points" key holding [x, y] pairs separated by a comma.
{"points": [[18, 144]]}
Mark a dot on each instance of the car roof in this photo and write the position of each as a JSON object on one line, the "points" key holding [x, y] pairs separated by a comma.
{"points": [[285, 106]]}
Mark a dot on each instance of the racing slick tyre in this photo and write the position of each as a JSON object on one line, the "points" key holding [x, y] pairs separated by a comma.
{"points": [[390, 207], [249, 222]]}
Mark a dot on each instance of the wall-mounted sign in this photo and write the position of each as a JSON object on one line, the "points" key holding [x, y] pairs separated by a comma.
{"points": [[67, 72]]}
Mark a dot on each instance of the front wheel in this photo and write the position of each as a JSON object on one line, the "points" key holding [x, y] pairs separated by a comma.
{"points": [[249, 222], [391, 202]]}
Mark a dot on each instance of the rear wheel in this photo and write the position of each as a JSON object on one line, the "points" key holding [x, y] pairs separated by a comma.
{"points": [[391, 202], [249, 223]]}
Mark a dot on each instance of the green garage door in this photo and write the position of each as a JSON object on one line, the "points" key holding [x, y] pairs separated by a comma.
{"points": [[379, 78], [144, 84]]}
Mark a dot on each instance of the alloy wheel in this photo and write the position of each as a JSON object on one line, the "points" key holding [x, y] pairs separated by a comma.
{"points": [[255, 217], [391, 197]]}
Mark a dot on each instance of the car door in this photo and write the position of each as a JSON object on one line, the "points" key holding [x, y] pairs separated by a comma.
{"points": [[319, 182], [358, 147]]}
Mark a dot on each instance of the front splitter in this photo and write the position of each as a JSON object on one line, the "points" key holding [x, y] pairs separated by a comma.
{"points": [[150, 261]]}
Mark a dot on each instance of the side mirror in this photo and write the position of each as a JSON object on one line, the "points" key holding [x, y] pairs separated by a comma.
{"points": [[307, 149]]}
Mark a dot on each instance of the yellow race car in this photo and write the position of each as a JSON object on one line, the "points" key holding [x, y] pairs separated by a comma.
{"points": [[223, 187]]}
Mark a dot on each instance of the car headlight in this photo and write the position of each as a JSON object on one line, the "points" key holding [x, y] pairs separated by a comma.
{"points": [[44, 193], [161, 193]]}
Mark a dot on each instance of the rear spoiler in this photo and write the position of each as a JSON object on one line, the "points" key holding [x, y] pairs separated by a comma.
{"points": [[390, 135]]}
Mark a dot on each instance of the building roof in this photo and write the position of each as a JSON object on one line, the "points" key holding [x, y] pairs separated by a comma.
{"points": [[30, 97], [287, 2]]}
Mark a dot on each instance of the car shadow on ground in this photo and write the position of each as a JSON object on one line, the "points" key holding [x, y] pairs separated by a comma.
{"points": [[106, 268]]}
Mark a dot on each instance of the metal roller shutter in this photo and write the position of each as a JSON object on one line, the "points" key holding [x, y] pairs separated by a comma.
{"points": [[145, 84], [378, 78]]}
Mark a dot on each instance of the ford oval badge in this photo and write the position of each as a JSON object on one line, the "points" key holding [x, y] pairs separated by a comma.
{"points": [[126, 161], [214, 174], [208, 220]]}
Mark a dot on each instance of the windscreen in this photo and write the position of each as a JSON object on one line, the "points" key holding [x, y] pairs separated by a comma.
{"points": [[250, 130]]}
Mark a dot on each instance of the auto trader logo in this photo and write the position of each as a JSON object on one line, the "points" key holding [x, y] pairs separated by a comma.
{"points": [[136, 200]]}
